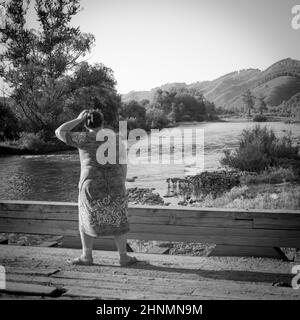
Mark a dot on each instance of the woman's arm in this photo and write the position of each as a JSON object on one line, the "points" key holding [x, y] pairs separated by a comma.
{"points": [[68, 126]]}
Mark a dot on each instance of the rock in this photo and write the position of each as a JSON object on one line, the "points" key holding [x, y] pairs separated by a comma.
{"points": [[144, 196]]}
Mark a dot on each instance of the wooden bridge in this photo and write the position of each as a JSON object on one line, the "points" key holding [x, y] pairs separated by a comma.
{"points": [[240, 235]]}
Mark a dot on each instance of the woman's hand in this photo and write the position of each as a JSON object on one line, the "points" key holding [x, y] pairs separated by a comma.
{"points": [[83, 114]]}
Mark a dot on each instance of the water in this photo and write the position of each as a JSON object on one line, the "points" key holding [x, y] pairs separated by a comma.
{"points": [[55, 177]]}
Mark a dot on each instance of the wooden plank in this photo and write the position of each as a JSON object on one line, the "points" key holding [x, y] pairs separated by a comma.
{"points": [[152, 264], [41, 206], [130, 288], [209, 231], [234, 236], [32, 215], [28, 289], [247, 251], [37, 206], [107, 294], [172, 219], [291, 223], [31, 271], [48, 244], [51, 227], [279, 238], [225, 239], [178, 274], [121, 283], [187, 221]]}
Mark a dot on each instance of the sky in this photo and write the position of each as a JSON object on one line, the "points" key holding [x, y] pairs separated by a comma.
{"points": [[152, 42]]}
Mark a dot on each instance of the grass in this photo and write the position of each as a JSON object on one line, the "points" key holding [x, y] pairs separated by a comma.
{"points": [[257, 197], [271, 176]]}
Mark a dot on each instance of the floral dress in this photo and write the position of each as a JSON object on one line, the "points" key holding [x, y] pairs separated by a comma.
{"points": [[102, 200]]}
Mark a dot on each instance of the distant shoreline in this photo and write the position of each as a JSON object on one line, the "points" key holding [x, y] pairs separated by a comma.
{"points": [[7, 150]]}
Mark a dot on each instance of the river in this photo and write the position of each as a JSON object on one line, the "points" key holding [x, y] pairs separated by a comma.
{"points": [[54, 177]]}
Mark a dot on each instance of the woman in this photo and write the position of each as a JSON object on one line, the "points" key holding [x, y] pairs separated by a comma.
{"points": [[102, 198]]}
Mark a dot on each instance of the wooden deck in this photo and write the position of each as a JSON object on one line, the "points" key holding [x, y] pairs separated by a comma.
{"points": [[35, 272]]}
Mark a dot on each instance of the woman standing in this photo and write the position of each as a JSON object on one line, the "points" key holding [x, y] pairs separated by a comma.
{"points": [[102, 200]]}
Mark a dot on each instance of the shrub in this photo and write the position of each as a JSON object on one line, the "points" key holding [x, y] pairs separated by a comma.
{"points": [[32, 142], [186, 118], [259, 149], [260, 118], [156, 119], [272, 175]]}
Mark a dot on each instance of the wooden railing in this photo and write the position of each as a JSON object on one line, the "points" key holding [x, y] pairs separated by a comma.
{"points": [[236, 232]]}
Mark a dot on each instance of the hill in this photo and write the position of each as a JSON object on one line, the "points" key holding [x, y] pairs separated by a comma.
{"points": [[278, 83]]}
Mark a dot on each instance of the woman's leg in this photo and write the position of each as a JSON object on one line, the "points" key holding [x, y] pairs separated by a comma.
{"points": [[121, 243], [87, 246]]}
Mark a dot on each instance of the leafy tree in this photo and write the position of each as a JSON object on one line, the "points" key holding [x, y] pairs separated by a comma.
{"points": [[93, 87], [8, 123], [134, 110], [36, 63], [261, 104], [156, 119], [248, 101]]}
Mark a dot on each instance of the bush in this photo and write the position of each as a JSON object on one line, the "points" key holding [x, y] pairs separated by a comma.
{"points": [[260, 118], [32, 142], [272, 175], [259, 149], [186, 118], [156, 119]]}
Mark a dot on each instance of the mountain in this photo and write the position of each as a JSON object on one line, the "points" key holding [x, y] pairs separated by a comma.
{"points": [[278, 83]]}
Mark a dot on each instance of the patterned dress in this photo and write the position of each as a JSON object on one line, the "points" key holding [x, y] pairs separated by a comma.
{"points": [[102, 200]]}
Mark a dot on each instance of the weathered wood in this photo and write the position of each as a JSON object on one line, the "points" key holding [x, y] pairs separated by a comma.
{"points": [[247, 251], [28, 289], [235, 236], [129, 284], [32, 271], [156, 276], [51, 227], [226, 239], [48, 244], [106, 262], [252, 228], [277, 223]]}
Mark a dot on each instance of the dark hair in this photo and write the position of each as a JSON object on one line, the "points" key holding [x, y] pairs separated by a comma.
{"points": [[94, 119]]}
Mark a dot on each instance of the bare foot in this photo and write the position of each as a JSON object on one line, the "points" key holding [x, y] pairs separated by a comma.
{"points": [[127, 261], [81, 261]]}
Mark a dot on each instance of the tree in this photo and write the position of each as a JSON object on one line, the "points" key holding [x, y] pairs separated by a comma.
{"points": [[8, 123], [93, 87], [261, 104], [135, 111], [156, 119], [36, 64], [248, 101]]}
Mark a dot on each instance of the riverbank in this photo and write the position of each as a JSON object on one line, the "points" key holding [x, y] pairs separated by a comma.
{"points": [[34, 144], [12, 148], [269, 118]]}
